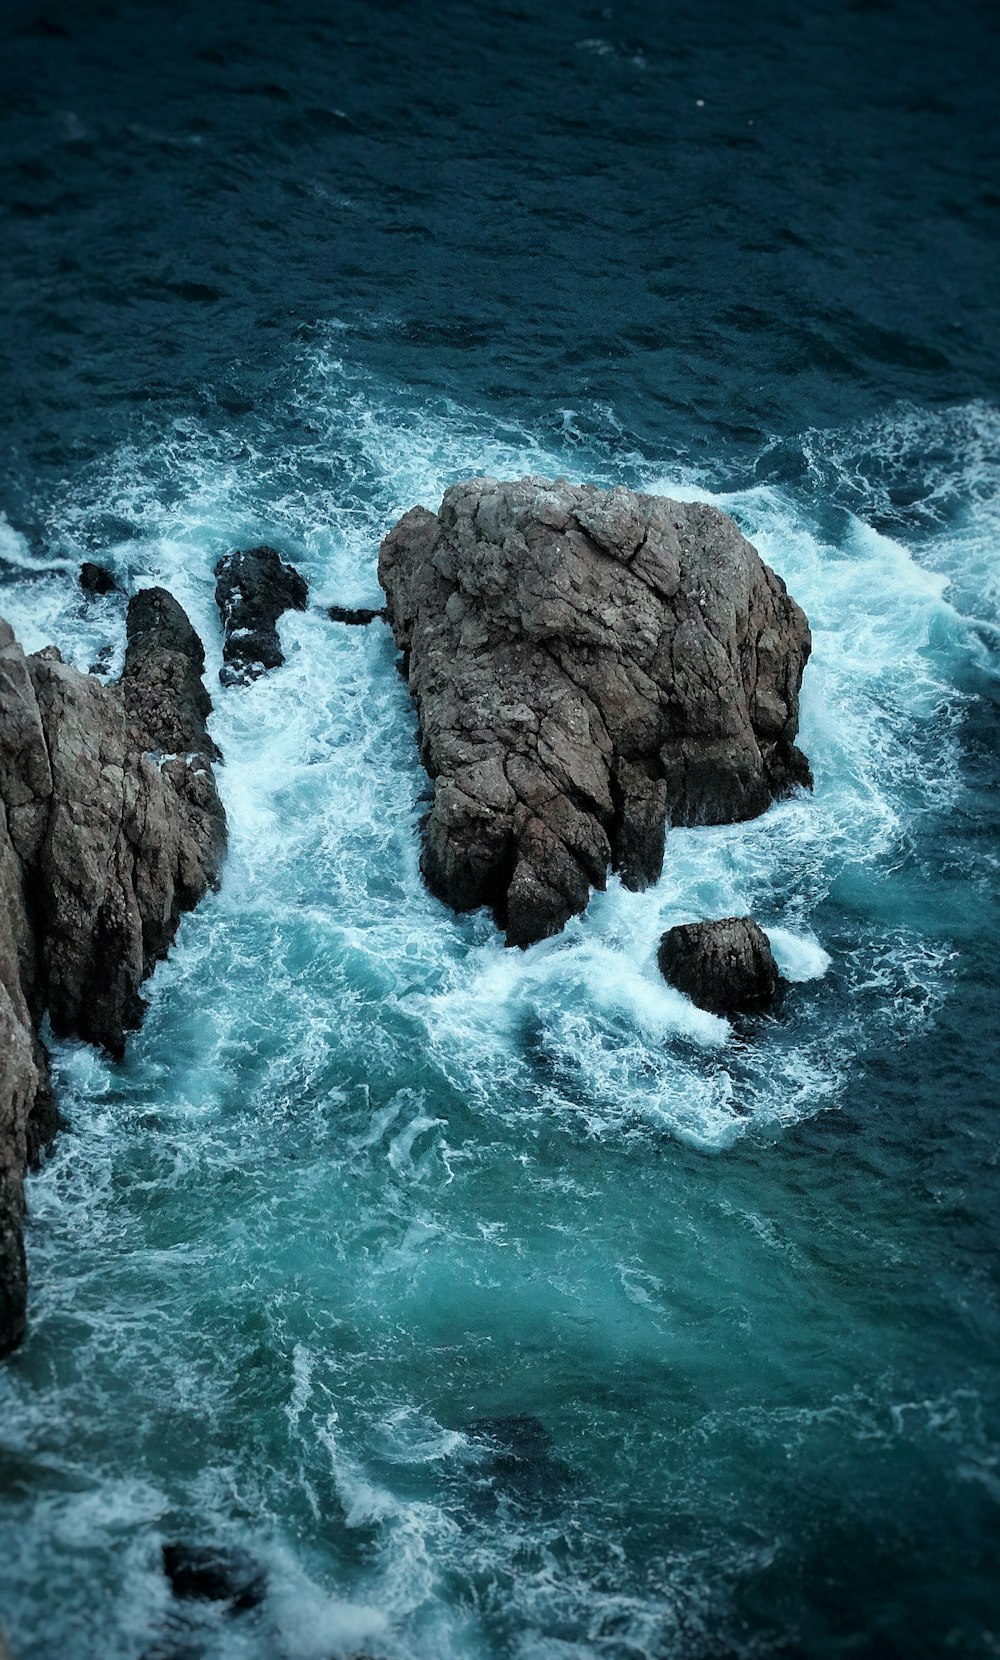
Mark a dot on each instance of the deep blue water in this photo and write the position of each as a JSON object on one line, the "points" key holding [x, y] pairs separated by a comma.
{"points": [[277, 272]]}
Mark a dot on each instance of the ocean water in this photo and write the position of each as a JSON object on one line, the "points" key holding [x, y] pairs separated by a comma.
{"points": [[278, 272]]}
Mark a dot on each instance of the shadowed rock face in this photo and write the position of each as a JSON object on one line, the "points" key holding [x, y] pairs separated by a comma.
{"points": [[588, 666], [96, 579], [110, 827], [725, 967], [215, 1573], [252, 590]]}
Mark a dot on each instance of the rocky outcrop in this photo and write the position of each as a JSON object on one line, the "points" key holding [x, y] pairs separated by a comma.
{"points": [[252, 590], [97, 579], [357, 616], [725, 966], [110, 827], [215, 1573], [588, 667]]}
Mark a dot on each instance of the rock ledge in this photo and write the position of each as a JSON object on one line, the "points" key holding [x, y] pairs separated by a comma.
{"points": [[110, 827]]}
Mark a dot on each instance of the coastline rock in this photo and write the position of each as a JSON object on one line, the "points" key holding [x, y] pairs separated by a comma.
{"points": [[726, 967], [357, 615], [97, 579], [252, 590], [110, 827], [588, 667]]}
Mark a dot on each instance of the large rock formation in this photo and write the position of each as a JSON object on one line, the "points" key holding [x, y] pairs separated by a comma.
{"points": [[252, 590], [110, 827], [726, 967], [588, 667]]}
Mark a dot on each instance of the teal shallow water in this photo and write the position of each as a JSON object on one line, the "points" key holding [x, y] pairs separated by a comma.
{"points": [[365, 1177]]}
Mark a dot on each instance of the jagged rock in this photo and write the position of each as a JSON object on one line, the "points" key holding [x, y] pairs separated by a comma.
{"points": [[357, 615], [215, 1573], [725, 967], [110, 827], [252, 590], [97, 579], [588, 667]]}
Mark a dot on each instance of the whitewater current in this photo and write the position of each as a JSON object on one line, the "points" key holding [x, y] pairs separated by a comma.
{"points": [[365, 1176]]}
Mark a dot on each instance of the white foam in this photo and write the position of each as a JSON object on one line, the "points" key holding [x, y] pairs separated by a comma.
{"points": [[323, 787], [336, 1073], [798, 957]]}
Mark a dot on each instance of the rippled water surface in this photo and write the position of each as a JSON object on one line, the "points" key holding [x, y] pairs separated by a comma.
{"points": [[364, 1177]]}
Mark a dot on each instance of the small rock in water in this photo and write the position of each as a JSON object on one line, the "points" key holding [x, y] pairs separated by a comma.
{"points": [[522, 1437], [252, 590], [215, 1573], [102, 662], [97, 579], [520, 1455], [357, 615], [725, 966]]}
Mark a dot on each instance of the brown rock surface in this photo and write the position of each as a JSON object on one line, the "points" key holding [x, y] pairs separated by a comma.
{"points": [[588, 666], [726, 967], [110, 827]]}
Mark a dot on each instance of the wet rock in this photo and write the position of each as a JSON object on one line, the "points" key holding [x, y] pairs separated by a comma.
{"points": [[215, 1573], [726, 967], [252, 590], [588, 667], [97, 579], [102, 661], [166, 704], [357, 615], [110, 827]]}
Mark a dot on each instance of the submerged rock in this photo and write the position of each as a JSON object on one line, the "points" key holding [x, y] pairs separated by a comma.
{"points": [[519, 1462], [215, 1573], [357, 615], [726, 967], [588, 667], [97, 579], [110, 827], [252, 591]]}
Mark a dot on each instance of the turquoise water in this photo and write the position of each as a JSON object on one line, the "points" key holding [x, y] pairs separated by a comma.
{"points": [[365, 1176], [277, 272]]}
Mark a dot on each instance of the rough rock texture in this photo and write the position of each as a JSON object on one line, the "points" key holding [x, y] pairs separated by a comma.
{"points": [[724, 966], [588, 666], [252, 589], [110, 827]]}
